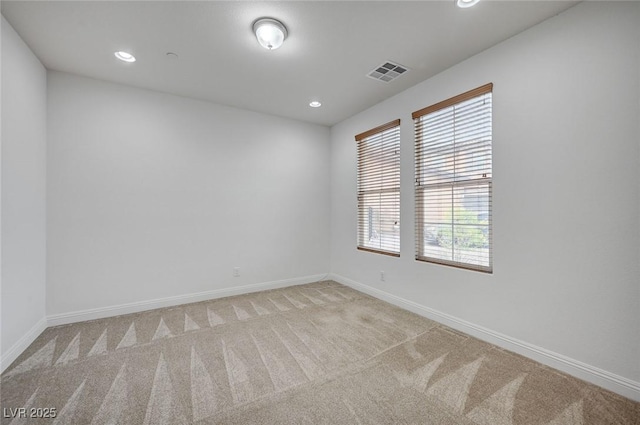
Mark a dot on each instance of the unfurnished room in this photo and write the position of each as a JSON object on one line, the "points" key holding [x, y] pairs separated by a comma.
{"points": [[320, 212]]}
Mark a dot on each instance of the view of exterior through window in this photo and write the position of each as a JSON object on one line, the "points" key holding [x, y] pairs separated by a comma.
{"points": [[379, 189], [453, 181]]}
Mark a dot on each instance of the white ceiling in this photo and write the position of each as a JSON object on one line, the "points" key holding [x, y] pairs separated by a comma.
{"points": [[330, 49]]}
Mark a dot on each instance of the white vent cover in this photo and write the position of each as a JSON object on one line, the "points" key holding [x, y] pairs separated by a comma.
{"points": [[388, 71]]}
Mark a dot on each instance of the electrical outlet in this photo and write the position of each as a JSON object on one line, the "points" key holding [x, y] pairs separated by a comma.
{"points": [[236, 271], [382, 276]]}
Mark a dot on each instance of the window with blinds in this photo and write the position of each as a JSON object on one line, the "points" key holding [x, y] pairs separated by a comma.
{"points": [[453, 181], [379, 189]]}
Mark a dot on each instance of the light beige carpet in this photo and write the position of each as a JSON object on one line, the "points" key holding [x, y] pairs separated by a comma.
{"points": [[313, 354]]}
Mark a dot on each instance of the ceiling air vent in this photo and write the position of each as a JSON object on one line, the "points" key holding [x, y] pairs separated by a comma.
{"points": [[388, 71]]}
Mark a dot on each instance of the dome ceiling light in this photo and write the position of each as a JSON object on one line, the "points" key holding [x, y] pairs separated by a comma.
{"points": [[270, 32]]}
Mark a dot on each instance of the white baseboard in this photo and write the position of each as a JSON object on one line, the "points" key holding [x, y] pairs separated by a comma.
{"points": [[135, 307], [610, 381], [22, 344]]}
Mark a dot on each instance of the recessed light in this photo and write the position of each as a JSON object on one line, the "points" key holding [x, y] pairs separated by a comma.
{"points": [[466, 3], [315, 104], [125, 57]]}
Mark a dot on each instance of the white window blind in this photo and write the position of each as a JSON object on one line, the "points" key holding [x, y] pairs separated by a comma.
{"points": [[379, 189], [453, 181]]}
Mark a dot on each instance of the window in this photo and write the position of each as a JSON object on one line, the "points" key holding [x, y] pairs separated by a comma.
{"points": [[379, 189], [453, 181]]}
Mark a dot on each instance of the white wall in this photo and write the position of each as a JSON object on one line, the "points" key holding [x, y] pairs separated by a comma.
{"points": [[566, 191], [152, 195], [23, 195]]}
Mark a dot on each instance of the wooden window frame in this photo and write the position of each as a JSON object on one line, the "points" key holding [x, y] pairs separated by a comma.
{"points": [[360, 139], [421, 187]]}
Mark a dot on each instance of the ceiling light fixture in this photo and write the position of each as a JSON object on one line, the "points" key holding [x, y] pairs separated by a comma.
{"points": [[125, 57], [315, 104], [270, 32], [466, 3]]}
